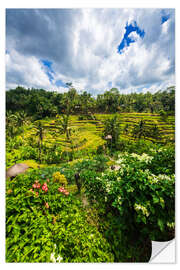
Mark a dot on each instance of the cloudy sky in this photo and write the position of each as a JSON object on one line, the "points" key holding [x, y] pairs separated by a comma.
{"points": [[95, 49]]}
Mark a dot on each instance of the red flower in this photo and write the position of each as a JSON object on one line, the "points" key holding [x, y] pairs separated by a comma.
{"points": [[44, 187]]}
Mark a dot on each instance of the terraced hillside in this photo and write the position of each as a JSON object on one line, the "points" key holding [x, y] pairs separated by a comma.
{"points": [[86, 134], [129, 120], [85, 137]]}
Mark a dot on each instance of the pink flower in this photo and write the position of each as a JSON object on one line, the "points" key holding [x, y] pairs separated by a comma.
{"points": [[34, 186], [46, 205], [37, 193], [38, 185], [61, 189]]}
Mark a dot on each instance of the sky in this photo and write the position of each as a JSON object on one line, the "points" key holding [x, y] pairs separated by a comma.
{"points": [[95, 49]]}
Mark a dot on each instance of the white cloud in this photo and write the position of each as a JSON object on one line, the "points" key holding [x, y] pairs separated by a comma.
{"points": [[28, 72], [82, 45]]}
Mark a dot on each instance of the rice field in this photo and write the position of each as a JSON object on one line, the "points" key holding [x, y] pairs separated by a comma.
{"points": [[87, 134]]}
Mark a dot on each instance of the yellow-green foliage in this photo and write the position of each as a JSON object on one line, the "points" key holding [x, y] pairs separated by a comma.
{"points": [[31, 163], [166, 128], [110, 162], [86, 135], [72, 189], [60, 178]]}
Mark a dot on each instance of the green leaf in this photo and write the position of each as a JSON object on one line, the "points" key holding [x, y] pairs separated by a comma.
{"points": [[155, 199], [161, 224]]}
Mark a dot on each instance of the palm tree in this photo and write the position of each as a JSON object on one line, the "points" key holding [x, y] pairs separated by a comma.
{"points": [[39, 133], [112, 130], [21, 118], [155, 132], [140, 130], [64, 125], [11, 124]]}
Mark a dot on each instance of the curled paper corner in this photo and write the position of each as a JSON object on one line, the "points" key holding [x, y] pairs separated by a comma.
{"points": [[163, 252]]}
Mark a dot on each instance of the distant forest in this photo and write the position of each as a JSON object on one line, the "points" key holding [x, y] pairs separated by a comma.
{"points": [[40, 103]]}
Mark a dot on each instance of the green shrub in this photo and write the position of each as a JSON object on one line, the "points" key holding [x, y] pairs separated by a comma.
{"points": [[44, 224], [143, 201], [163, 161]]}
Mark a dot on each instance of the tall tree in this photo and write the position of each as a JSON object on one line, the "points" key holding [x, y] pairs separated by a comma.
{"points": [[112, 130], [39, 133]]}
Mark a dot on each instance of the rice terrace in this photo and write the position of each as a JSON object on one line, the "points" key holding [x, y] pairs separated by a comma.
{"points": [[90, 177]]}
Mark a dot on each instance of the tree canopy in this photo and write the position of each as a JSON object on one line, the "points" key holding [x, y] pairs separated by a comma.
{"points": [[41, 103]]}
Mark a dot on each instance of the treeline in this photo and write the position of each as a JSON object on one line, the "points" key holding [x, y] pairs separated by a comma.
{"points": [[40, 103]]}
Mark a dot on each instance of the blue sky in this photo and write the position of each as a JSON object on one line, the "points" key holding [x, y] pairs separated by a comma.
{"points": [[132, 27], [50, 73], [95, 49]]}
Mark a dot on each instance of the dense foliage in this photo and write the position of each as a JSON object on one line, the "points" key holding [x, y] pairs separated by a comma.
{"points": [[40, 103], [46, 223], [139, 194], [100, 186]]}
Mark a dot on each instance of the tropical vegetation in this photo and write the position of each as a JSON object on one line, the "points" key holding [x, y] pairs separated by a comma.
{"points": [[101, 179]]}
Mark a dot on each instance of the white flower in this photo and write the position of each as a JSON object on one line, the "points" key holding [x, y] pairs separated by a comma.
{"points": [[164, 177], [135, 155], [143, 158], [108, 187], [138, 207], [59, 259], [120, 161], [52, 257]]}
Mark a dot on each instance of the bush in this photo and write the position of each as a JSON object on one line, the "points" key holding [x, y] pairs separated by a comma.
{"points": [[163, 161], [141, 146], [44, 224], [60, 178], [143, 201]]}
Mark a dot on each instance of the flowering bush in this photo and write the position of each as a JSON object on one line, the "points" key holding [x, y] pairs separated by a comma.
{"points": [[46, 223], [143, 201], [163, 161]]}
